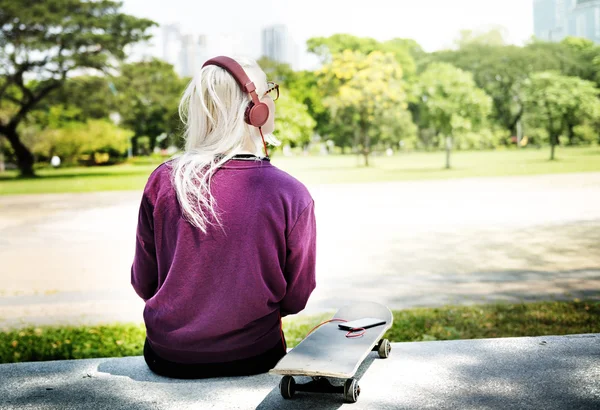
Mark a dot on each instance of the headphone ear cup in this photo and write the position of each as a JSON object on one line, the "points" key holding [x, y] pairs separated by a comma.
{"points": [[257, 114]]}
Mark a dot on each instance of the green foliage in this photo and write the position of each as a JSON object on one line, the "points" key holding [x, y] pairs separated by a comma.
{"points": [[560, 103], [500, 71], [305, 89], [294, 123], [584, 134], [367, 97], [451, 103], [148, 94], [50, 39], [280, 73], [419, 324], [88, 97], [402, 50], [493, 37], [73, 139]]}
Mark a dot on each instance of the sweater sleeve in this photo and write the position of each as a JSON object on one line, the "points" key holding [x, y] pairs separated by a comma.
{"points": [[144, 272], [300, 262]]}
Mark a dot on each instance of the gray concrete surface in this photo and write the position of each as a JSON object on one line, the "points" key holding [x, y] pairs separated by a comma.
{"points": [[66, 258], [515, 373]]}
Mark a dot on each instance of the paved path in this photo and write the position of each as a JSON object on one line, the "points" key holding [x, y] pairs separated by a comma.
{"points": [[546, 372], [66, 258]]}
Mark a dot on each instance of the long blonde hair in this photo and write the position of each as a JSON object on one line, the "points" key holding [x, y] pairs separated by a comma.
{"points": [[212, 109]]}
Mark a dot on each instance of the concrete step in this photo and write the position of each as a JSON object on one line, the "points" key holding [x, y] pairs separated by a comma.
{"points": [[550, 372]]}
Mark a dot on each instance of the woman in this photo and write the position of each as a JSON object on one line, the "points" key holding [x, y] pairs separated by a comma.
{"points": [[226, 242]]}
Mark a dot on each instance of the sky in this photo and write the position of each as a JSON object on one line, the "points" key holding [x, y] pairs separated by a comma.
{"points": [[432, 23]]}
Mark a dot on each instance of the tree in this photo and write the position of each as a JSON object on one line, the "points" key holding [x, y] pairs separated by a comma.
{"points": [[364, 90], [294, 123], [559, 104], [501, 72], [71, 140], [326, 47], [48, 40], [493, 37], [280, 73], [571, 57], [89, 95], [305, 89], [451, 102], [148, 94]]}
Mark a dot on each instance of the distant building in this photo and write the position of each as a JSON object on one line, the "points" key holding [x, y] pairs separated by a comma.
{"points": [[187, 52], [554, 20], [278, 45], [172, 45], [192, 55], [585, 20]]}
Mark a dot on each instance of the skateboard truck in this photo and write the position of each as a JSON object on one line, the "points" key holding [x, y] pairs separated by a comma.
{"points": [[350, 389]]}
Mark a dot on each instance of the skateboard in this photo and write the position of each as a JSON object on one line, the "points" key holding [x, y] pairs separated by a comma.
{"points": [[332, 353]]}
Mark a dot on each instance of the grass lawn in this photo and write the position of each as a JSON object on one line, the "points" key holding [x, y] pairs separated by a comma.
{"points": [[330, 169], [420, 324]]}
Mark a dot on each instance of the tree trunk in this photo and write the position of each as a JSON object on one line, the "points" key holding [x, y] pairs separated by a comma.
{"points": [[553, 143], [24, 157], [134, 145], [519, 134], [448, 149], [571, 134], [367, 147]]}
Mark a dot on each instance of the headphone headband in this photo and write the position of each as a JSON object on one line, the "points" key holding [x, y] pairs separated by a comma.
{"points": [[237, 72]]}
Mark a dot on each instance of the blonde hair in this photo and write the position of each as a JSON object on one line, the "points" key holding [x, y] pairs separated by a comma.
{"points": [[212, 109]]}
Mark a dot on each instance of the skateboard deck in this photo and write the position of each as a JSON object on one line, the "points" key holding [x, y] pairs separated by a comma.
{"points": [[327, 352]]}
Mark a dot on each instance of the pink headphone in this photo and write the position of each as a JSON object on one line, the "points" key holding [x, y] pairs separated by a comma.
{"points": [[257, 112]]}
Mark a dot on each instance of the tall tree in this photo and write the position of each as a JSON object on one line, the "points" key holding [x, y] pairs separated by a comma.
{"points": [[560, 103], [148, 94], [501, 72], [45, 41], [363, 91], [451, 102]]}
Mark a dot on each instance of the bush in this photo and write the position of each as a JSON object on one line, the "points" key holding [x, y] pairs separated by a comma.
{"points": [[83, 141]]}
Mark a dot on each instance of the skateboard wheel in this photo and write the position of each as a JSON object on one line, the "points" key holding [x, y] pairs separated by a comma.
{"points": [[385, 347], [287, 386], [351, 390]]}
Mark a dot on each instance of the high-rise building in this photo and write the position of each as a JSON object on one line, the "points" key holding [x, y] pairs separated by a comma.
{"points": [[278, 45], [172, 45], [554, 20], [585, 20], [192, 55]]}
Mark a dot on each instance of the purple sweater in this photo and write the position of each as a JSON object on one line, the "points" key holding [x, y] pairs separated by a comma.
{"points": [[220, 296]]}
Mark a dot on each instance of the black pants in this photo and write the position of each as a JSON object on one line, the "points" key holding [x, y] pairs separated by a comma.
{"points": [[254, 365]]}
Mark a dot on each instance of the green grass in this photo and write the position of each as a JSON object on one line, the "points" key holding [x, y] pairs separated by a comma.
{"points": [[421, 324], [78, 179], [330, 169]]}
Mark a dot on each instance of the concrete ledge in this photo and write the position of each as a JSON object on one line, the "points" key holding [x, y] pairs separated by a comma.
{"points": [[554, 372]]}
